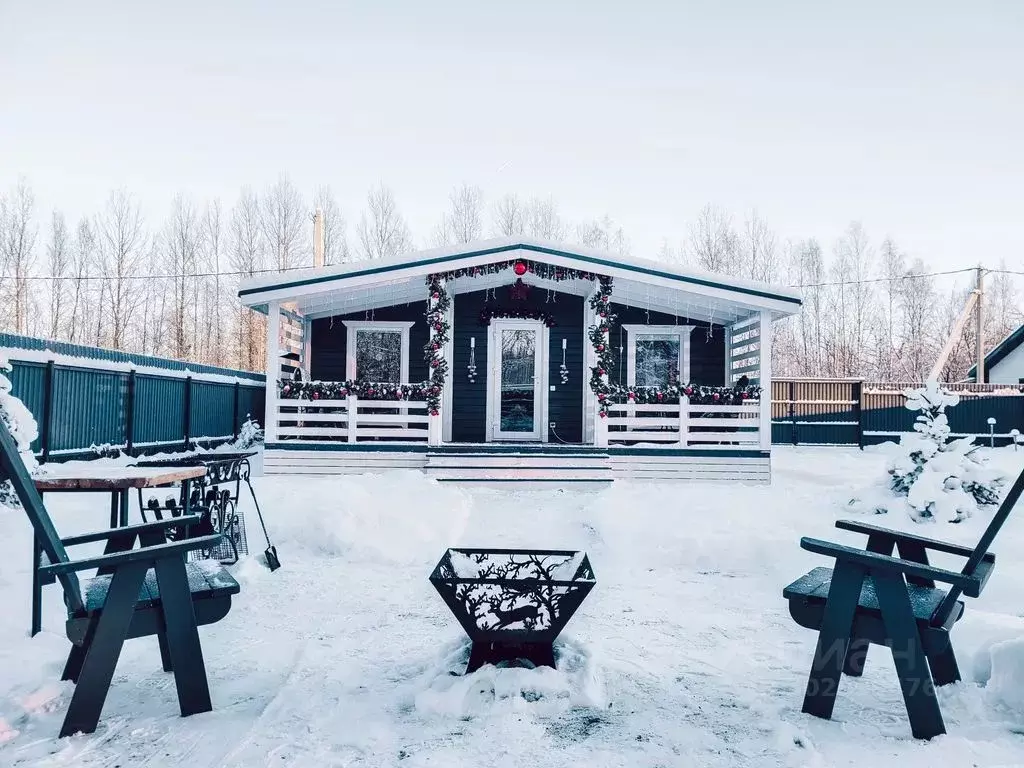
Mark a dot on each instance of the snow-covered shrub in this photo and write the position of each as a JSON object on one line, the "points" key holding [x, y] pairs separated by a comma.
{"points": [[22, 425], [249, 434], [937, 475]]}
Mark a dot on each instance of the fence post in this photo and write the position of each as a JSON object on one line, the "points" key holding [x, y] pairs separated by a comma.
{"points": [[858, 410], [129, 414], [44, 438], [234, 416], [187, 420], [792, 411], [352, 412], [684, 420]]}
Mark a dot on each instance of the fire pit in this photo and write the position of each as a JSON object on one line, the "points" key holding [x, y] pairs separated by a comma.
{"points": [[513, 603]]}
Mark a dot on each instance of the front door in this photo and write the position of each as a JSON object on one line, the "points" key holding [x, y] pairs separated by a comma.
{"points": [[516, 391]]}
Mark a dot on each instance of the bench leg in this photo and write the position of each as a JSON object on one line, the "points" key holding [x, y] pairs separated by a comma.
{"points": [[944, 668], [73, 666], [856, 656], [97, 668], [908, 655], [833, 640], [186, 653], [37, 587], [165, 652]]}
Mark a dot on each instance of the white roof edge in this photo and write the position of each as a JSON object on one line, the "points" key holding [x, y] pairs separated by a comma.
{"points": [[254, 286]]}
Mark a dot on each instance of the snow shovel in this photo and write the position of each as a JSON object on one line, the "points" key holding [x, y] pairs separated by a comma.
{"points": [[270, 553]]}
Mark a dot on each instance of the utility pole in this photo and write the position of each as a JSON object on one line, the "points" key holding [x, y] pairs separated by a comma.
{"points": [[318, 238], [980, 330]]}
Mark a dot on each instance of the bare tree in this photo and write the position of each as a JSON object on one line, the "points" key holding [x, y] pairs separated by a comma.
{"points": [[508, 217], [544, 220], [894, 269], [122, 244], [713, 245], [248, 257], [17, 252], [383, 232], [603, 233], [212, 227], [919, 308], [284, 222], [182, 240], [83, 258], [335, 235], [463, 221], [760, 249], [58, 260]]}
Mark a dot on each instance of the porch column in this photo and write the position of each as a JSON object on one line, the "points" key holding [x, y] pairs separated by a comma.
{"points": [[273, 369], [765, 379]]}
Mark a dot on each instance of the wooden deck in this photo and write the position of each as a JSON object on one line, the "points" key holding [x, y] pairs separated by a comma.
{"points": [[493, 462]]}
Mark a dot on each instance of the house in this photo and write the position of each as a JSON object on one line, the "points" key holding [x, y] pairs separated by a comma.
{"points": [[519, 359], [1004, 364]]}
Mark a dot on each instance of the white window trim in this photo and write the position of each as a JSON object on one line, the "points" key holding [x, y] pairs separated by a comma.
{"points": [[354, 326], [635, 331]]}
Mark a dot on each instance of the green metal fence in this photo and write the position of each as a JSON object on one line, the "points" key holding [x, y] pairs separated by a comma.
{"points": [[108, 400]]}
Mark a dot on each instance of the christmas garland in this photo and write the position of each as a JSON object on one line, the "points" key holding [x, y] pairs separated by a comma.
{"points": [[364, 390], [697, 394], [488, 313], [433, 350], [521, 267], [598, 334]]}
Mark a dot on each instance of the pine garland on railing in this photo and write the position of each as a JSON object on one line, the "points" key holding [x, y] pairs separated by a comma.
{"points": [[698, 394], [364, 390]]}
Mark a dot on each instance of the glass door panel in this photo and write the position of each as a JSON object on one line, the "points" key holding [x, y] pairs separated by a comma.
{"points": [[517, 394]]}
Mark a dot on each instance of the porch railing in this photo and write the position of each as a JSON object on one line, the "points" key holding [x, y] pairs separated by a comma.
{"points": [[680, 424], [353, 420]]}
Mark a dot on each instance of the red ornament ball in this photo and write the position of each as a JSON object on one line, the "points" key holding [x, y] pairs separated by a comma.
{"points": [[433, 412], [436, 346], [631, 395], [604, 299], [744, 396], [604, 415], [600, 371], [600, 347], [715, 396], [286, 389], [519, 268], [604, 314], [316, 395], [437, 327], [435, 295], [600, 395]]}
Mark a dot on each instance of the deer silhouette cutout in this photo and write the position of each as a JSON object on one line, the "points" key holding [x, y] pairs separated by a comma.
{"points": [[523, 613]]}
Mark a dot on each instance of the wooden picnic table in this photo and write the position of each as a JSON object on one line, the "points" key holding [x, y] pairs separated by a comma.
{"points": [[118, 481]]}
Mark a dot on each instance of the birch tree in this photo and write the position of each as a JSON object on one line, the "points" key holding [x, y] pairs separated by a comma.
{"points": [[382, 230], [335, 227], [508, 216], [544, 220], [80, 291], [248, 257], [17, 253], [58, 261], [463, 221], [181, 240], [712, 244], [284, 222], [121, 248]]}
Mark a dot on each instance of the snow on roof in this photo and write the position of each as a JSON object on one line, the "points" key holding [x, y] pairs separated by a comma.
{"points": [[448, 257]]}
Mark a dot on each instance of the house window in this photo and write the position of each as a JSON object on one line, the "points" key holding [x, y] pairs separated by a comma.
{"points": [[657, 355], [377, 351]]}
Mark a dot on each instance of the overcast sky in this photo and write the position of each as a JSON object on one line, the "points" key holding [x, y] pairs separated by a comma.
{"points": [[908, 116]]}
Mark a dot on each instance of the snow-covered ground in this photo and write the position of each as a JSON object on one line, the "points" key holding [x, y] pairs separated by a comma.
{"points": [[683, 655]]}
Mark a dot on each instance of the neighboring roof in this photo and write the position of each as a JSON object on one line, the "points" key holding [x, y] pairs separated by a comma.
{"points": [[999, 351], [252, 291]]}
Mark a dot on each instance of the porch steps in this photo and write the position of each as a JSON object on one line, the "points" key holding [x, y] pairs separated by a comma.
{"points": [[528, 466]]}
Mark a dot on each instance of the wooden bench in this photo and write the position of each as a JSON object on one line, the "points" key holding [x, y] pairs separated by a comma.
{"points": [[872, 597], [137, 592]]}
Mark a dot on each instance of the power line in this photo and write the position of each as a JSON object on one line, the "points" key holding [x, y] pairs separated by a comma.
{"points": [[182, 276], [909, 276]]}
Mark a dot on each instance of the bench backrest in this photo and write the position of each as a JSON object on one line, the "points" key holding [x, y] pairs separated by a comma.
{"points": [[1009, 501], [12, 468]]}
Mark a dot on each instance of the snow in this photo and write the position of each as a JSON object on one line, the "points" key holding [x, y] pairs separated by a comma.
{"points": [[684, 654]]}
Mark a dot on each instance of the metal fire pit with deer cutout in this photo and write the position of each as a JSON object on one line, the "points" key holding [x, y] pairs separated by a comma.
{"points": [[513, 603]]}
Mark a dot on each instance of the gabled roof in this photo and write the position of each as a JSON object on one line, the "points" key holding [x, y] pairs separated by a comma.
{"points": [[999, 351]]}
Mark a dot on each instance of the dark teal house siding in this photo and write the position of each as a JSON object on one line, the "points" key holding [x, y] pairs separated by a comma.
{"points": [[469, 399], [707, 349], [329, 336]]}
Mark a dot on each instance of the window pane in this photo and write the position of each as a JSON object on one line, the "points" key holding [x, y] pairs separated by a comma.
{"points": [[379, 356], [657, 361], [517, 406]]}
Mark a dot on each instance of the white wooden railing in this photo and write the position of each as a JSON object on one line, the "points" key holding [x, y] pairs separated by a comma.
{"points": [[679, 424], [353, 420]]}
